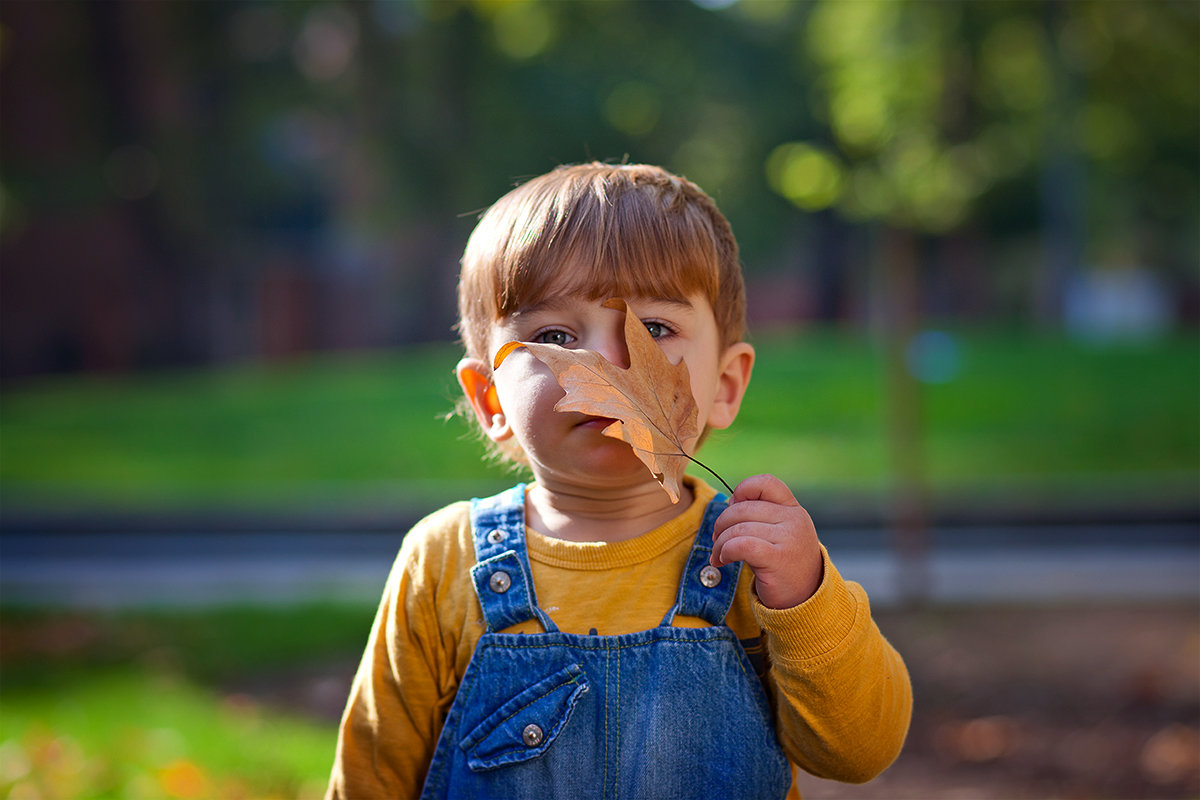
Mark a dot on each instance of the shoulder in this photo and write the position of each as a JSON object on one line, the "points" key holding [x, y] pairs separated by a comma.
{"points": [[449, 522], [441, 537], [430, 576]]}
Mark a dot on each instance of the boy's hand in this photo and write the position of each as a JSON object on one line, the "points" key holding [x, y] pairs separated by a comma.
{"points": [[768, 529]]}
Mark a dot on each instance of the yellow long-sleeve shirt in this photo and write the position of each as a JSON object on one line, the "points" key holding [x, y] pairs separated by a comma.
{"points": [[841, 692]]}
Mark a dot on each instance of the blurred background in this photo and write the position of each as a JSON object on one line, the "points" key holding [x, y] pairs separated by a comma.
{"points": [[229, 235]]}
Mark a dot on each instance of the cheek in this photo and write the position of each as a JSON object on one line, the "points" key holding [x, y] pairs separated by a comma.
{"points": [[704, 385], [528, 392]]}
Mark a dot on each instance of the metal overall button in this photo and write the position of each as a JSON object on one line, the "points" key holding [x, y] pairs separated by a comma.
{"points": [[710, 576], [499, 582], [497, 536], [532, 736]]}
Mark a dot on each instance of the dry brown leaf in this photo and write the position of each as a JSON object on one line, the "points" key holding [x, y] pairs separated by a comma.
{"points": [[651, 401]]}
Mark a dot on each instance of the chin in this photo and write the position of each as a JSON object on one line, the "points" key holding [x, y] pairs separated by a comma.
{"points": [[606, 466], [626, 471]]}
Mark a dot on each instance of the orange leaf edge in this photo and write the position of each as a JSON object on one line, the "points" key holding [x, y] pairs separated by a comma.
{"points": [[505, 352]]}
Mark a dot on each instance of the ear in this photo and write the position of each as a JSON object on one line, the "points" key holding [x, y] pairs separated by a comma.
{"points": [[737, 362], [476, 380]]}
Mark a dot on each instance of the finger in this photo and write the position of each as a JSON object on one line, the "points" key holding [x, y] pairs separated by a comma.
{"points": [[764, 487], [745, 530], [717, 559], [750, 511], [754, 551], [719, 540]]}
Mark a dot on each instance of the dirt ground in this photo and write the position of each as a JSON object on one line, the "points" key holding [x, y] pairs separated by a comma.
{"points": [[1072, 703], [1015, 703]]}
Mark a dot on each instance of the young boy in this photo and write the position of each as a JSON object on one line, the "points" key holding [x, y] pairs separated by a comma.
{"points": [[585, 635]]}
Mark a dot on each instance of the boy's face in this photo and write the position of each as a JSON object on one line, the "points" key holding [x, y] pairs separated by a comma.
{"points": [[568, 446]]}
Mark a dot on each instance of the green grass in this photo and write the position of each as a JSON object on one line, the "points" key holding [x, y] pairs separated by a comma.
{"points": [[129, 734], [1023, 413], [246, 435], [147, 705]]}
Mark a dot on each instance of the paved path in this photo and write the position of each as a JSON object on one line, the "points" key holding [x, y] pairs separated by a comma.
{"points": [[981, 564]]}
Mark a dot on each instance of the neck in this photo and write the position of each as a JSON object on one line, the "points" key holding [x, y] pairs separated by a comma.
{"points": [[590, 514]]}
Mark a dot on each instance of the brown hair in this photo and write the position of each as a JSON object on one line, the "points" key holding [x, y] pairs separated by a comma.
{"points": [[624, 230]]}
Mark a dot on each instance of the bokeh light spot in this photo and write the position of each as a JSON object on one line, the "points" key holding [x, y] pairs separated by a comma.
{"points": [[934, 357], [860, 117], [523, 29], [807, 176]]}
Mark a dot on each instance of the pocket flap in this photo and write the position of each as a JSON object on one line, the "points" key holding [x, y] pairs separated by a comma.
{"points": [[527, 724]]}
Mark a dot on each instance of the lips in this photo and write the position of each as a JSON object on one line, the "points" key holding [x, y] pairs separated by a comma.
{"points": [[600, 423]]}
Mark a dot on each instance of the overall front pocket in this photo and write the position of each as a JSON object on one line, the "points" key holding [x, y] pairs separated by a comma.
{"points": [[527, 724]]}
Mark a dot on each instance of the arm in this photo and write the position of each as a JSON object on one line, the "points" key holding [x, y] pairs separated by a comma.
{"points": [[842, 691], [843, 694], [398, 698]]}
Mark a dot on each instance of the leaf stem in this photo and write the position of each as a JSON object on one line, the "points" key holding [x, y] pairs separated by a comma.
{"points": [[700, 463]]}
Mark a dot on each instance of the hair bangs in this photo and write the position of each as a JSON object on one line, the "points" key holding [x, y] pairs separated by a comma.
{"points": [[602, 246]]}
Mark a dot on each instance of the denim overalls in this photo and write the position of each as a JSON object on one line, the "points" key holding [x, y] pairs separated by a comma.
{"points": [[670, 713]]}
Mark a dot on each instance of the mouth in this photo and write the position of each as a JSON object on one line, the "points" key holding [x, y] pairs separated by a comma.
{"points": [[599, 423]]}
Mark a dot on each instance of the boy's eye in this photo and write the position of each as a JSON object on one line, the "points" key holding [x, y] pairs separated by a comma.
{"points": [[657, 329], [552, 336]]}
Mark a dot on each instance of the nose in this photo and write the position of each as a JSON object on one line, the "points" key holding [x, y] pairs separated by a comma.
{"points": [[612, 346]]}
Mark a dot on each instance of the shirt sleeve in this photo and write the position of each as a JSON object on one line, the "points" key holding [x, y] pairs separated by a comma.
{"points": [[842, 692], [401, 692]]}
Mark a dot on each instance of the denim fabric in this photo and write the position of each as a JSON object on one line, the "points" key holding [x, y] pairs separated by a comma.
{"points": [[671, 713]]}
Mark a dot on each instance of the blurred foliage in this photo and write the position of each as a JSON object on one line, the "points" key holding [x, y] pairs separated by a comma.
{"points": [[935, 108], [149, 705], [131, 736], [1002, 412], [215, 645], [220, 145]]}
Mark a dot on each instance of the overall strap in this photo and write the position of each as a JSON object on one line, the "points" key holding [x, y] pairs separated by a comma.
{"points": [[502, 577], [706, 591]]}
